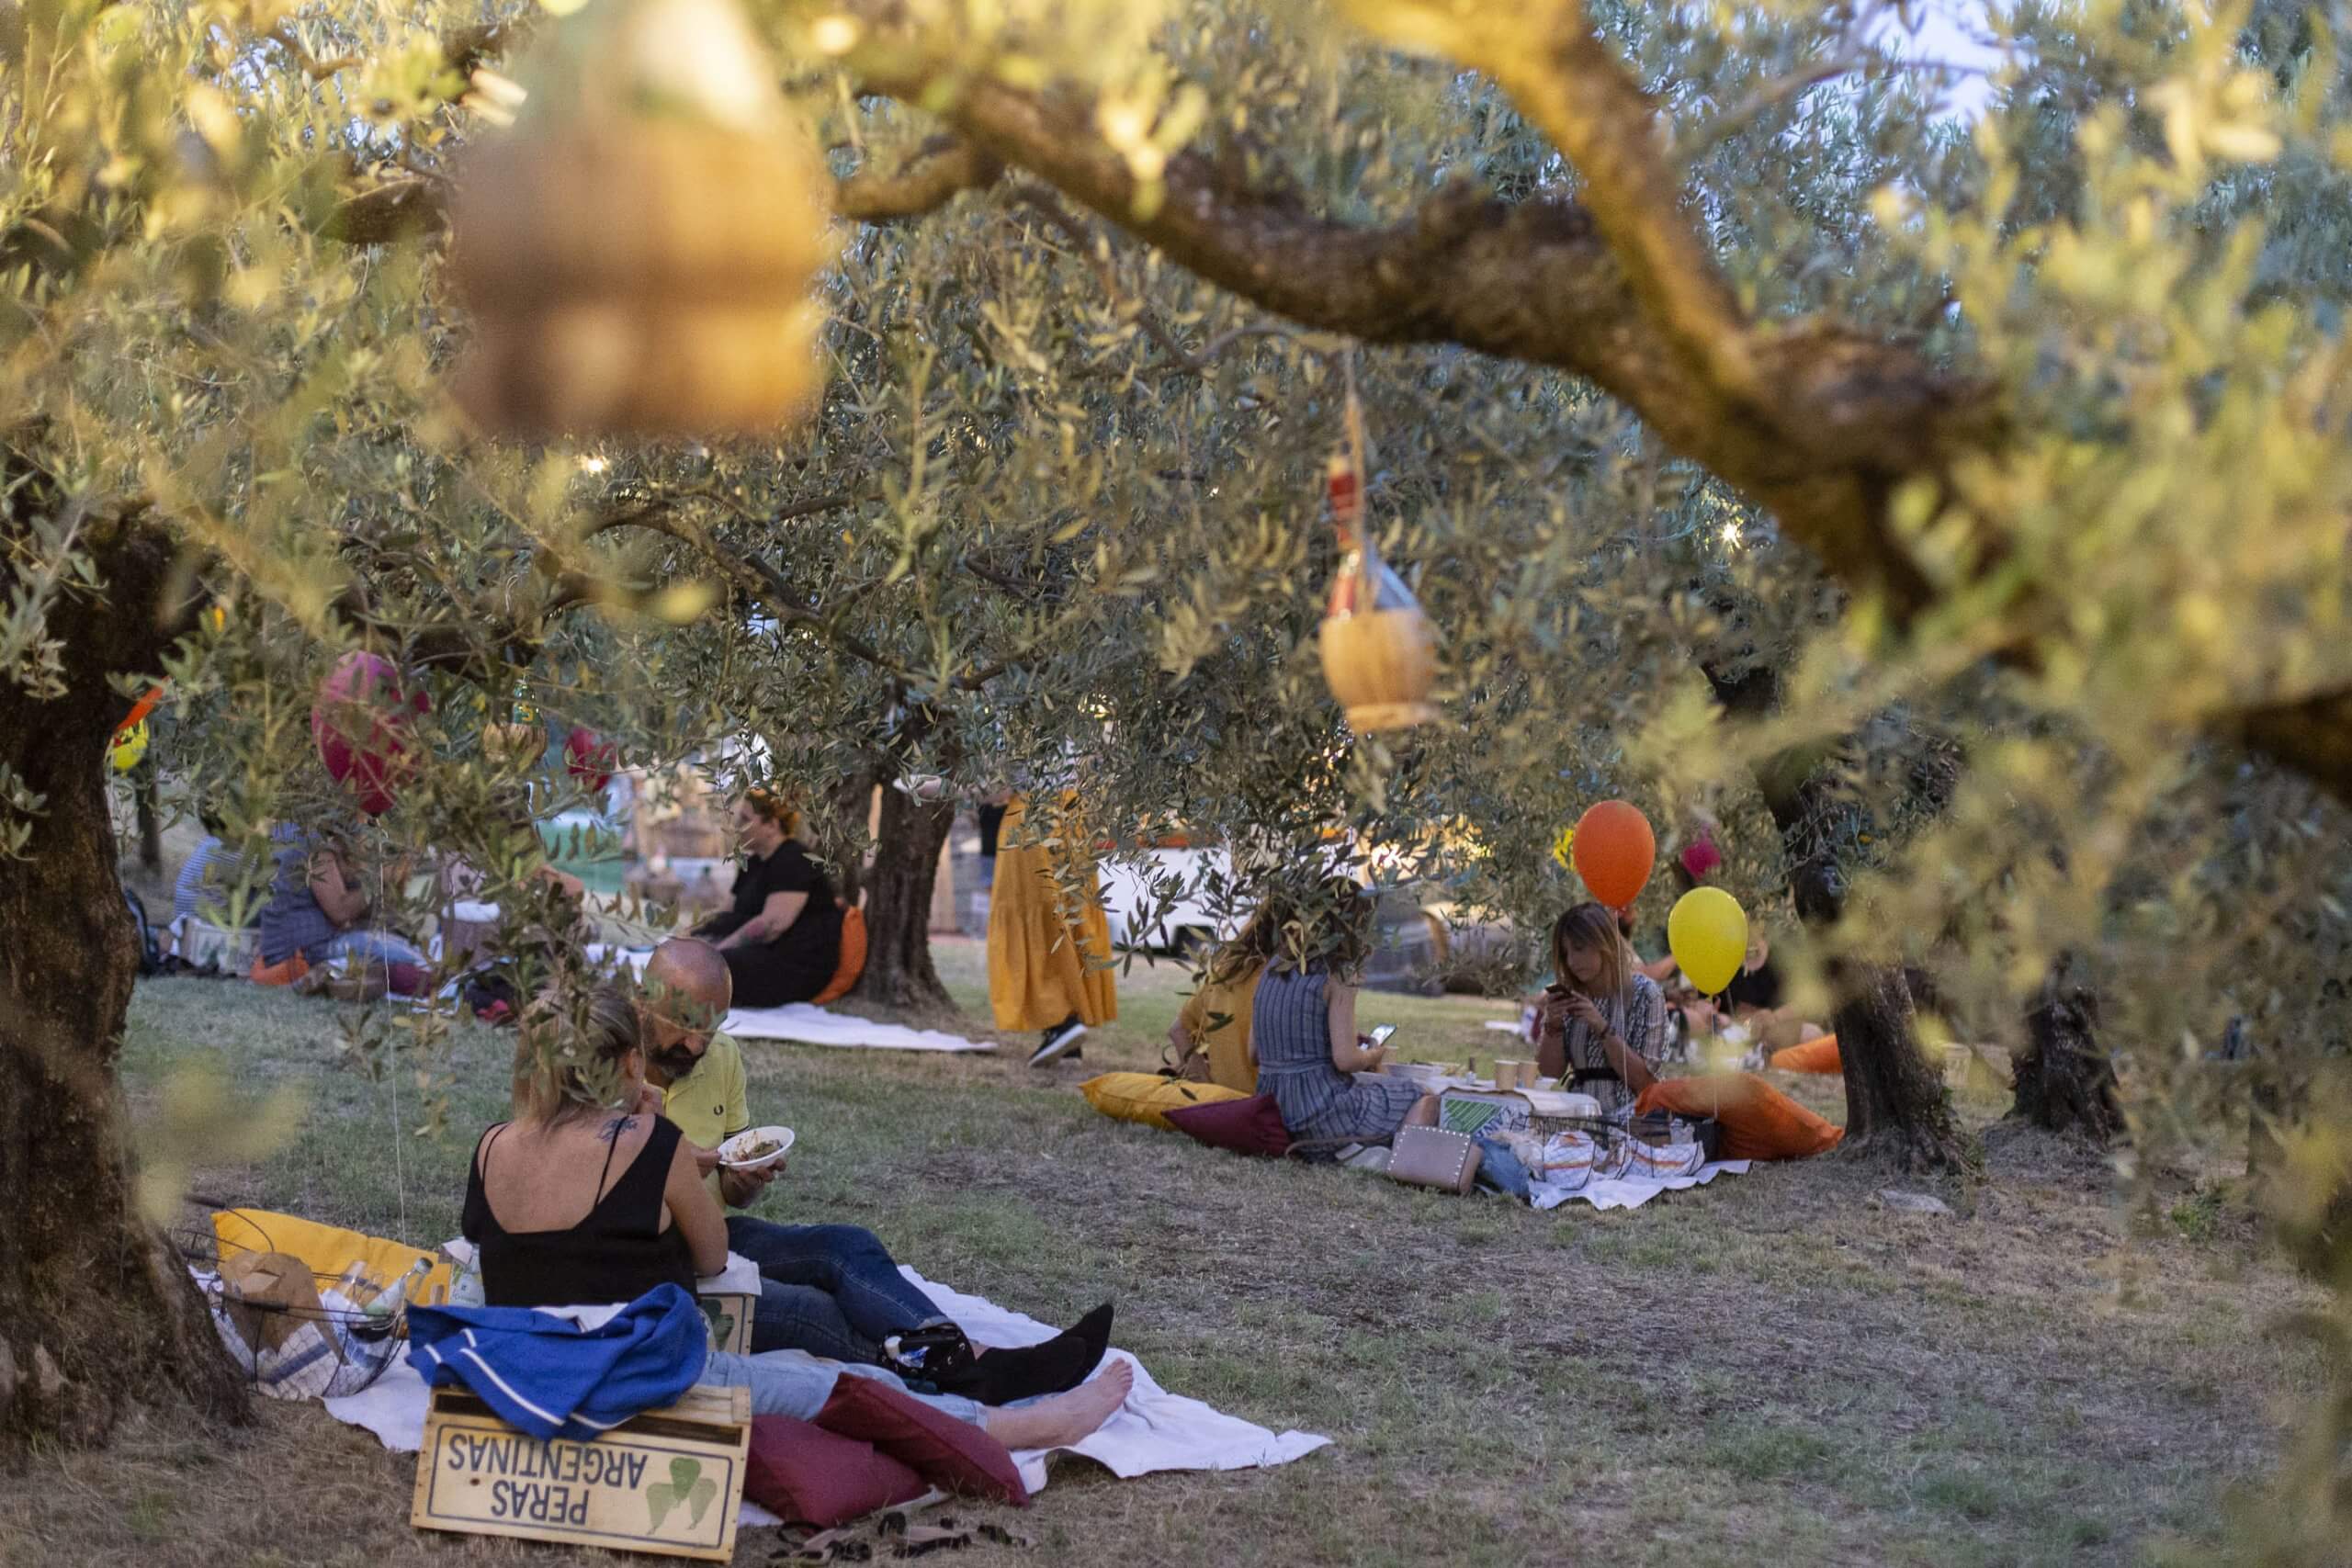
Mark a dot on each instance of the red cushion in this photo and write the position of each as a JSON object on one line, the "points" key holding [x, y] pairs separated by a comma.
{"points": [[952, 1455], [806, 1475], [1252, 1126]]}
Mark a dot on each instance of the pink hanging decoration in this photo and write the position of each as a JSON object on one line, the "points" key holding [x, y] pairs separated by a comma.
{"points": [[358, 720], [590, 758], [1701, 857]]}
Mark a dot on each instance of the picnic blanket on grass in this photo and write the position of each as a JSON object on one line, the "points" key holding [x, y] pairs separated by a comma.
{"points": [[804, 1024], [1154, 1430], [1620, 1192], [810, 1025]]}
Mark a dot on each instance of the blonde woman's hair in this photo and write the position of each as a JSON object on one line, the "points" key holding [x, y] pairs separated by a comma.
{"points": [[1593, 928], [570, 1047]]}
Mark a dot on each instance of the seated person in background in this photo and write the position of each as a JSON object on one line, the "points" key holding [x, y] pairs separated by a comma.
{"points": [[1658, 969], [783, 937], [541, 927], [319, 909], [584, 1199], [1303, 1026], [1601, 1028], [833, 1291], [1755, 998], [211, 871], [1212, 1033]]}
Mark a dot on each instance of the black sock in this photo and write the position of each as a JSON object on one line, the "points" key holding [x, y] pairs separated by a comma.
{"points": [[1056, 1366]]}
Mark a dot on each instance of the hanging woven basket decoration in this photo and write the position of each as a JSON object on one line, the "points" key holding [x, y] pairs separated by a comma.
{"points": [[518, 743], [637, 250], [1379, 650]]}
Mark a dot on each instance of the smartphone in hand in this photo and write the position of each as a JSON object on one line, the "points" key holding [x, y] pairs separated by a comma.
{"points": [[1382, 1036]]}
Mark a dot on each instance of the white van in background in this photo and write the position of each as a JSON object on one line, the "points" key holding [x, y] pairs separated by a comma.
{"points": [[1128, 899]]}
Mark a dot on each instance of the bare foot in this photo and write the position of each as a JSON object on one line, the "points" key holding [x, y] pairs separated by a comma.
{"points": [[1065, 1418]]}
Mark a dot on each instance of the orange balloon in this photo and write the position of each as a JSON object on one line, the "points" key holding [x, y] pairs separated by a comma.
{"points": [[1613, 849]]}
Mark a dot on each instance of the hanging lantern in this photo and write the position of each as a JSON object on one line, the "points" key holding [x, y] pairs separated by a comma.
{"points": [[1379, 652], [514, 746], [519, 742], [356, 722], [638, 250]]}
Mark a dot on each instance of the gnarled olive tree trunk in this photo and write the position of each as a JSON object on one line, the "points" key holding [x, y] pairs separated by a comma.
{"points": [[96, 1312], [1898, 1106], [899, 969], [2063, 1080]]}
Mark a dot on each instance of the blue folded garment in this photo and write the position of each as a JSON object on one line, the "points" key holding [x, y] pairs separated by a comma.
{"points": [[547, 1376], [1501, 1170]]}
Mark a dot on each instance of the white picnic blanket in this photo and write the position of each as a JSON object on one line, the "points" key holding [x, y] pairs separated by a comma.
{"points": [[1622, 1192], [807, 1025], [1154, 1431]]}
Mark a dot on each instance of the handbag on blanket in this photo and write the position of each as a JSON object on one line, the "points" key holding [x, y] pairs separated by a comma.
{"points": [[1564, 1159], [1659, 1128], [1431, 1156], [1659, 1162]]}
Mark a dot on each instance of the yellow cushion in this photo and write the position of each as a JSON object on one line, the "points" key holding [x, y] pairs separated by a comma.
{"points": [[327, 1249], [1147, 1098]]}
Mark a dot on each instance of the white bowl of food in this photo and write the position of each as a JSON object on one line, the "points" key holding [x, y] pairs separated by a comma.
{"points": [[755, 1148]]}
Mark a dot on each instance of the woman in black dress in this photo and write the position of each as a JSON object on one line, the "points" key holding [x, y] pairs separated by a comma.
{"points": [[782, 939]]}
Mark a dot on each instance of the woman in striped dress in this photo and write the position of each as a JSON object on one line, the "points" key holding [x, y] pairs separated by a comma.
{"points": [[1303, 1027], [1602, 1028]]}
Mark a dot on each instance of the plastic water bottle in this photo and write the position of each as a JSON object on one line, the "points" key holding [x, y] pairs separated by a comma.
{"points": [[465, 1285]]}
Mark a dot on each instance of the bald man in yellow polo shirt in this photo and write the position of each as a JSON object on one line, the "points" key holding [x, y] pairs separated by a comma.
{"points": [[833, 1291]]}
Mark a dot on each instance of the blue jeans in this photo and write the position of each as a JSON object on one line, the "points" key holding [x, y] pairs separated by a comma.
{"points": [[788, 1382], [379, 947], [831, 1289]]}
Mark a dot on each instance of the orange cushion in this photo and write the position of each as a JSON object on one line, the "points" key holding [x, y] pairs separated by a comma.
{"points": [[853, 962], [283, 973], [1758, 1121], [1813, 1056]]}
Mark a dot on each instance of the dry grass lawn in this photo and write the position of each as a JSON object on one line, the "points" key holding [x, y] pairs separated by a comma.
{"points": [[1773, 1369]]}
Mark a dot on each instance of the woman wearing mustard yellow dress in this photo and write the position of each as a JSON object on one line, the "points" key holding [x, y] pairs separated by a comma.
{"points": [[1048, 963]]}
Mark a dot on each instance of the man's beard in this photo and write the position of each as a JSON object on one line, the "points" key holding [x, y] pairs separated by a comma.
{"points": [[676, 1062]]}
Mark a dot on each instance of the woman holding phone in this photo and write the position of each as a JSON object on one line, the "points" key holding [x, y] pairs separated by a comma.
{"points": [[1303, 1025], [1602, 1024]]}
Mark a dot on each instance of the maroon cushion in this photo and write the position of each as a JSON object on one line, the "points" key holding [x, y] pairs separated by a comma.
{"points": [[806, 1475], [952, 1455], [1252, 1126]]}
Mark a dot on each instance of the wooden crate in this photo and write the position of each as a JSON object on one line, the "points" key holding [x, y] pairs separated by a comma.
{"points": [[728, 1313], [639, 1487]]}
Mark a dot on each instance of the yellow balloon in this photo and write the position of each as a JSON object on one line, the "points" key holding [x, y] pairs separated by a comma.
{"points": [[1708, 932], [130, 744]]}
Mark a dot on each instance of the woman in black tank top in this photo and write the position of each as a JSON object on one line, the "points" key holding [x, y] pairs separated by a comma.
{"points": [[647, 1221], [579, 1080]]}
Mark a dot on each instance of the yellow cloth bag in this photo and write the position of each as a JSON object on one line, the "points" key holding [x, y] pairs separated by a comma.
{"points": [[328, 1250], [1147, 1098], [1044, 965]]}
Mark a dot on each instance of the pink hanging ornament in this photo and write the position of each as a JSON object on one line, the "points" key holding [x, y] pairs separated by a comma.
{"points": [[590, 758], [356, 722]]}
